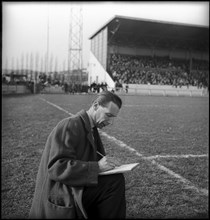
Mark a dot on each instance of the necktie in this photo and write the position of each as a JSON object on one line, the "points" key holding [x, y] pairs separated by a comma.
{"points": [[95, 135], [96, 140]]}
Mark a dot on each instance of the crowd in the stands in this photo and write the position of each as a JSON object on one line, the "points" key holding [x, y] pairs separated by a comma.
{"points": [[159, 71]]}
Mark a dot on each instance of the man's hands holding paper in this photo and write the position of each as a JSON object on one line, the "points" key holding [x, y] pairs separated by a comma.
{"points": [[108, 163]]}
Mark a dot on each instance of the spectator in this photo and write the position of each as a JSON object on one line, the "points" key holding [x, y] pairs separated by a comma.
{"points": [[158, 70], [66, 87], [126, 88]]}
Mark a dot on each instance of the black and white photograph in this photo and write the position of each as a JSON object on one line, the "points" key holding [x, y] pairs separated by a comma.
{"points": [[105, 110]]}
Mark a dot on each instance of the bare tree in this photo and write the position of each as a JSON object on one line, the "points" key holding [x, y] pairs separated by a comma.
{"points": [[64, 65], [51, 62], [22, 63], [42, 65], [56, 69], [56, 64], [17, 66], [36, 66], [27, 65], [31, 65], [6, 65], [13, 63], [46, 64]]}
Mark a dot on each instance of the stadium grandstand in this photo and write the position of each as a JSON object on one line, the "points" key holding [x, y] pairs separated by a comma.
{"points": [[137, 52]]}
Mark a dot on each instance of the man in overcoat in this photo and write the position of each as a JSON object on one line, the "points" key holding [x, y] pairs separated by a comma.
{"points": [[68, 183]]}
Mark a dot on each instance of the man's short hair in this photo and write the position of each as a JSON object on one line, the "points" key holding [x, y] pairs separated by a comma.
{"points": [[105, 97]]}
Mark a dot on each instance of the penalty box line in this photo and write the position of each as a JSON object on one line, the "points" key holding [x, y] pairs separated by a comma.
{"points": [[186, 182]]}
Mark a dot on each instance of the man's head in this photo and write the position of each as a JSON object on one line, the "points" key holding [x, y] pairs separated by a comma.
{"points": [[105, 108]]}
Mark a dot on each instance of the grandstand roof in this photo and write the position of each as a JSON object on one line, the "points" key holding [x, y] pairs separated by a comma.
{"points": [[130, 31]]}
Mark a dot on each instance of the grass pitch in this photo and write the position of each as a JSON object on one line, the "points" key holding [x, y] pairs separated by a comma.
{"points": [[150, 125]]}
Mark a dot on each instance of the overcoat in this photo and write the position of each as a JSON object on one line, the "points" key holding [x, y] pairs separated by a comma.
{"points": [[68, 163]]}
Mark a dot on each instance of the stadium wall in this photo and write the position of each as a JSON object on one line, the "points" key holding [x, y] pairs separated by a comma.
{"points": [[97, 72], [99, 47], [166, 90], [15, 89]]}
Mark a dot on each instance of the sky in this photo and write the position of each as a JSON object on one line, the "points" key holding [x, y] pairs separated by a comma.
{"points": [[25, 25]]}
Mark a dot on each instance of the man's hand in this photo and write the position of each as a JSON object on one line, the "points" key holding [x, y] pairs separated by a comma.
{"points": [[107, 163]]}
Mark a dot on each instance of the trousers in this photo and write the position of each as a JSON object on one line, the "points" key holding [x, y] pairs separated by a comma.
{"points": [[107, 199]]}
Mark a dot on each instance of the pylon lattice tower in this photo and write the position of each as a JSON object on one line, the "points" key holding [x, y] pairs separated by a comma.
{"points": [[75, 43]]}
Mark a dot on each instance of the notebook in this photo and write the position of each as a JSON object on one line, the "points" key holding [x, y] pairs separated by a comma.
{"points": [[120, 169]]}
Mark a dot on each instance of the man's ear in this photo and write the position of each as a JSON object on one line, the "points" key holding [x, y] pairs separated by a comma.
{"points": [[95, 105]]}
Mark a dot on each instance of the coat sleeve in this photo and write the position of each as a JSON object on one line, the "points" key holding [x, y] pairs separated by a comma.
{"points": [[64, 166]]}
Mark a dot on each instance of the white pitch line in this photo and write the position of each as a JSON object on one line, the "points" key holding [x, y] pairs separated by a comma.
{"points": [[175, 156], [56, 106], [120, 143], [187, 183], [152, 106]]}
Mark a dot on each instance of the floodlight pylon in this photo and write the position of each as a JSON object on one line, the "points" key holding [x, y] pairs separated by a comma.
{"points": [[75, 43]]}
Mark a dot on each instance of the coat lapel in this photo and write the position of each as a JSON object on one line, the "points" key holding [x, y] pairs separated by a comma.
{"points": [[87, 126]]}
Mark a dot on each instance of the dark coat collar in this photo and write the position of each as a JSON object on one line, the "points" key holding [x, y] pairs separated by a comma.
{"points": [[86, 121], [85, 118]]}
